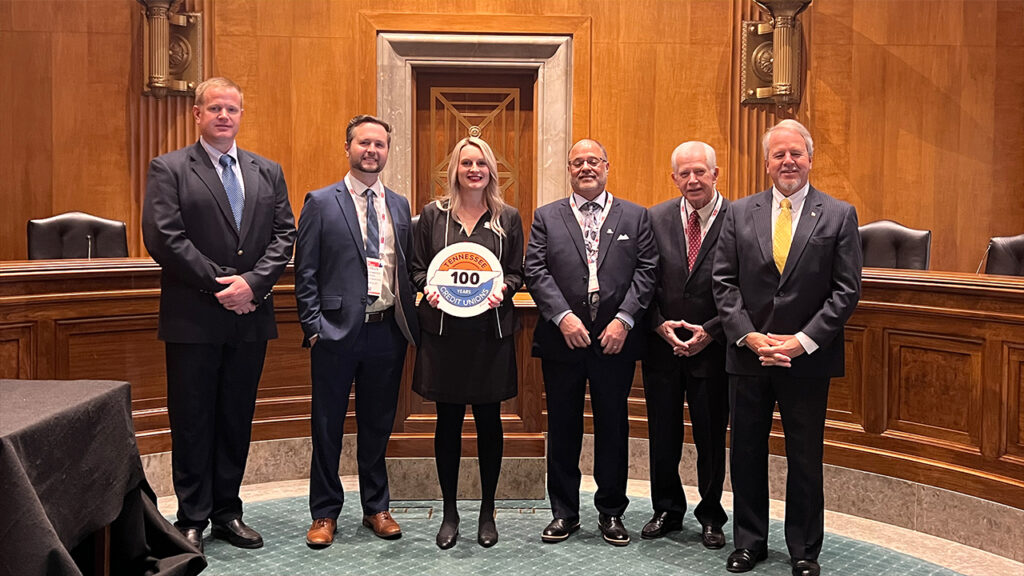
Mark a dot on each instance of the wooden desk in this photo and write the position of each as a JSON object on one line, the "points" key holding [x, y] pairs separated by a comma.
{"points": [[933, 391]]}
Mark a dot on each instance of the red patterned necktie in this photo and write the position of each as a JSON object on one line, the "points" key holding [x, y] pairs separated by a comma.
{"points": [[692, 238]]}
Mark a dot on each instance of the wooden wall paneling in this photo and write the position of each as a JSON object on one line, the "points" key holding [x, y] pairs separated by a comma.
{"points": [[935, 387], [26, 135], [16, 351]]}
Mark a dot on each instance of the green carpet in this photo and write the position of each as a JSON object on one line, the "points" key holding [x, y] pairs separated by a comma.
{"points": [[356, 551]]}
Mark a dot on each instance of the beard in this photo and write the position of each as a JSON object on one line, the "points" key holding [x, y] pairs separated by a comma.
{"points": [[368, 165]]}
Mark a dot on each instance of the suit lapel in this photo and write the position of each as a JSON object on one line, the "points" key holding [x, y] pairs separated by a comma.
{"points": [[251, 180], [204, 169], [572, 226], [762, 217], [810, 215], [607, 235], [348, 211], [678, 229]]}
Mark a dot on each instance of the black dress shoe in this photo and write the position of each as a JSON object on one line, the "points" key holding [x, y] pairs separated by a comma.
{"points": [[744, 559], [806, 568], [712, 537], [238, 534], [487, 532], [612, 529], [194, 537], [559, 529], [660, 525]]}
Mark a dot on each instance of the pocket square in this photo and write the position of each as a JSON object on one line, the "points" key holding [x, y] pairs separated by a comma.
{"points": [[623, 237]]}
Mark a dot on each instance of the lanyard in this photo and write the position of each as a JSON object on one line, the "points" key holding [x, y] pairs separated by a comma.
{"points": [[600, 219], [711, 218]]}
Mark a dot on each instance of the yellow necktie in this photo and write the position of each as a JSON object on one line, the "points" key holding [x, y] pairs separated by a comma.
{"points": [[783, 236]]}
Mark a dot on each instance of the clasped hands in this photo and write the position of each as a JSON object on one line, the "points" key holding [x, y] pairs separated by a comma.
{"points": [[238, 296], [774, 349], [576, 336], [697, 341]]}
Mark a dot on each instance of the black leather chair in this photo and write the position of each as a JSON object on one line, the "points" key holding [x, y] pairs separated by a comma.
{"points": [[1006, 255], [889, 244], [76, 235]]}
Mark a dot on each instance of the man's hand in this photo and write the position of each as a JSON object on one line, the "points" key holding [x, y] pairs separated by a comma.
{"points": [[432, 295], [497, 297], [781, 351], [237, 297], [574, 332], [613, 336], [697, 342], [667, 331]]}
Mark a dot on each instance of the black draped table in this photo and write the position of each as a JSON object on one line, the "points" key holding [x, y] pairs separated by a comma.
{"points": [[70, 473]]}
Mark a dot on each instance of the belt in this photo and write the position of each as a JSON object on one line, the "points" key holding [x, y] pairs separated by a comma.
{"points": [[373, 317]]}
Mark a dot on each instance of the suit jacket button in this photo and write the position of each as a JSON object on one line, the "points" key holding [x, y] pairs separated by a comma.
{"points": [[362, 300], [240, 252], [781, 294]]}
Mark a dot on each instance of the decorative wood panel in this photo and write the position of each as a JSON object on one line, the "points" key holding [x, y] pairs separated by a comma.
{"points": [[1013, 443], [16, 352], [935, 387], [845, 395]]}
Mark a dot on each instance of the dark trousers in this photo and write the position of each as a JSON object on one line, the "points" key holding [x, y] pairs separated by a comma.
{"points": [[374, 363], [610, 379], [448, 451], [802, 403], [211, 397], [666, 385]]}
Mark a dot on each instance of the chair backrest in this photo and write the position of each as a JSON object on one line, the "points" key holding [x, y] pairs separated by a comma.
{"points": [[1006, 255], [76, 235], [888, 244], [415, 223]]}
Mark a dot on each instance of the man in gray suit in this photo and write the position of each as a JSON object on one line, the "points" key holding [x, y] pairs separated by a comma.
{"points": [[687, 358], [218, 221], [357, 308], [787, 276], [590, 269]]}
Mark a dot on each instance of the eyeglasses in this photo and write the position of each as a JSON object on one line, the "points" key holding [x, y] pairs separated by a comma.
{"points": [[593, 161]]}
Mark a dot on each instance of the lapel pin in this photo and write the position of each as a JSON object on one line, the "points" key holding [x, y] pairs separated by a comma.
{"points": [[609, 231], [813, 214]]}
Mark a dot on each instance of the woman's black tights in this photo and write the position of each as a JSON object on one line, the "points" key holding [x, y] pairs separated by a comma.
{"points": [[448, 453]]}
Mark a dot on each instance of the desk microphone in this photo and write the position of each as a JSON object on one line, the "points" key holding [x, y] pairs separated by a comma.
{"points": [[88, 253], [983, 257]]}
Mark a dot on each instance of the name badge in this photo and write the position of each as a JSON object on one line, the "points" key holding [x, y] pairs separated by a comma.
{"points": [[374, 276], [465, 274], [592, 285]]}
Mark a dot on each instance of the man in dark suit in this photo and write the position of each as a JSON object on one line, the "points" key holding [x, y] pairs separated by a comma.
{"points": [[787, 276], [590, 269], [687, 359], [218, 221], [357, 309]]}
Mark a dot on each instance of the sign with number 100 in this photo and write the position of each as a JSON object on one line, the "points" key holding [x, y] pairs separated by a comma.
{"points": [[465, 274]]}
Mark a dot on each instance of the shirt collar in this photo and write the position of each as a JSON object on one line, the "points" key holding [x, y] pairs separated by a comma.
{"points": [[600, 199], [357, 188], [797, 199], [705, 212], [216, 154]]}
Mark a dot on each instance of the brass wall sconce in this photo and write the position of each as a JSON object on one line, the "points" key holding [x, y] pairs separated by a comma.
{"points": [[771, 58], [172, 49]]}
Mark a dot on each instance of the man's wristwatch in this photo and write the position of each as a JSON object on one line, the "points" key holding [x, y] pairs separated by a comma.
{"points": [[624, 324]]}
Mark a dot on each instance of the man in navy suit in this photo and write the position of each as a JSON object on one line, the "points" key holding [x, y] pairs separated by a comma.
{"points": [[218, 221], [356, 305], [687, 359], [787, 276], [590, 269]]}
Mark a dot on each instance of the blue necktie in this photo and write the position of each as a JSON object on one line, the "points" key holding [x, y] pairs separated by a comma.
{"points": [[372, 232], [233, 188]]}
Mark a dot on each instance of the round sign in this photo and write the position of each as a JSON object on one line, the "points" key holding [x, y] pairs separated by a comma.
{"points": [[465, 274]]}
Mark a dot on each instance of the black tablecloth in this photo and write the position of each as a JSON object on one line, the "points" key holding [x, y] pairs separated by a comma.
{"points": [[69, 466]]}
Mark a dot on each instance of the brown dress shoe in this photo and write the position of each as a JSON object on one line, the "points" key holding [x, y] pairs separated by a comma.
{"points": [[383, 525], [321, 533]]}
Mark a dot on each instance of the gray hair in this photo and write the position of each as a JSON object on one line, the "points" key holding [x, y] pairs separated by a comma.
{"points": [[709, 153], [789, 124]]}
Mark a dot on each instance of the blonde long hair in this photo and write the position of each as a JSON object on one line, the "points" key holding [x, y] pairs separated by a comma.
{"points": [[492, 192]]}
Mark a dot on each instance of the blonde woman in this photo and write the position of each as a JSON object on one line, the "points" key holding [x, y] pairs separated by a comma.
{"points": [[471, 361]]}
